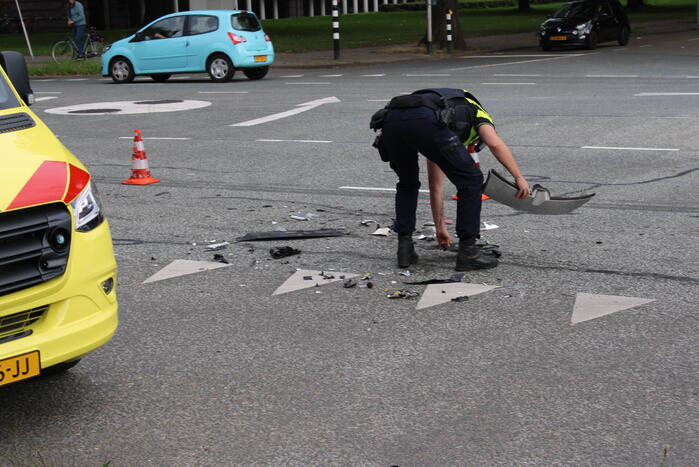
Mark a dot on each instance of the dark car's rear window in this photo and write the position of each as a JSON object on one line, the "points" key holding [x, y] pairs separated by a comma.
{"points": [[7, 98], [572, 10], [245, 22]]}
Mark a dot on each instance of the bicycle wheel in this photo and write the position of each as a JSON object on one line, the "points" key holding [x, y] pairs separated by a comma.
{"points": [[94, 48], [63, 51]]}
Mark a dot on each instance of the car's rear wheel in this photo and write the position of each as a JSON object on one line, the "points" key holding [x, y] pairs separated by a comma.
{"points": [[160, 77], [220, 69], [624, 36], [545, 46], [256, 73], [60, 368], [120, 70], [591, 42]]}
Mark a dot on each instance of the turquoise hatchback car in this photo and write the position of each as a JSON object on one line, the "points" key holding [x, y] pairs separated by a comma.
{"points": [[218, 42]]}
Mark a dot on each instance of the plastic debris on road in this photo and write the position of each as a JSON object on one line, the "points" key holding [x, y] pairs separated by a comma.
{"points": [[349, 283], [366, 222], [299, 218], [216, 246], [487, 226], [220, 259], [463, 298], [403, 293], [283, 251], [382, 232]]}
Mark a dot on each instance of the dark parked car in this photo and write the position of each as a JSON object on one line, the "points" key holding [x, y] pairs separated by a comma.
{"points": [[585, 23]]}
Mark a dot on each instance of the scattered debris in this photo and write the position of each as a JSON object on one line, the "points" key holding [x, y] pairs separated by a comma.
{"points": [[487, 226], [266, 205], [455, 278], [427, 238], [367, 276], [369, 285], [405, 273], [283, 251], [220, 259], [428, 224], [349, 283], [291, 235], [216, 246], [463, 298], [308, 278], [403, 293], [382, 232], [369, 221], [326, 276], [299, 218]]}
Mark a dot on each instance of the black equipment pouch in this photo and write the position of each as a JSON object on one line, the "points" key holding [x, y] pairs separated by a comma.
{"points": [[381, 147], [377, 119]]}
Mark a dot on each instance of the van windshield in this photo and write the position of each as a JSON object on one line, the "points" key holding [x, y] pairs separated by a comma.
{"points": [[245, 22], [7, 97]]}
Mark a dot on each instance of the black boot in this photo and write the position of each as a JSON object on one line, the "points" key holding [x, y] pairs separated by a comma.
{"points": [[471, 257], [406, 251]]}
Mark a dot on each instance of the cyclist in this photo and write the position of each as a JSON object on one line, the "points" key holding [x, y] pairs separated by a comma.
{"points": [[76, 18]]}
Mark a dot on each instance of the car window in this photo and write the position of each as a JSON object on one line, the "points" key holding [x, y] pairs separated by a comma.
{"points": [[166, 28], [604, 9], [201, 24], [7, 97], [571, 10], [245, 22]]}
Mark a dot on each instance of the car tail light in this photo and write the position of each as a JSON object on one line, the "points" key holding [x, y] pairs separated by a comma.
{"points": [[267, 38], [236, 39]]}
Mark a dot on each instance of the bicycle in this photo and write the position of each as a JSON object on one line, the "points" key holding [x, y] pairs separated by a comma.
{"points": [[66, 50]]}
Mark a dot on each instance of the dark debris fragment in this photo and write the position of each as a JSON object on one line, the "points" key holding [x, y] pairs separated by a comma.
{"points": [[283, 252]]}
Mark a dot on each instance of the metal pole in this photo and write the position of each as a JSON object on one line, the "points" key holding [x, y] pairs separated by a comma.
{"points": [[366, 6], [376, 5], [275, 9], [312, 8], [450, 42], [24, 29], [429, 27], [344, 7], [175, 6], [322, 8], [336, 31]]}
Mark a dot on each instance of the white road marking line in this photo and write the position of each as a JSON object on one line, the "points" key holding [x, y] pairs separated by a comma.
{"points": [[106, 79], [292, 141], [647, 45], [299, 108], [427, 75], [691, 77], [373, 188], [43, 80], [647, 94], [75, 79], [330, 76], [378, 75], [508, 84], [628, 149], [48, 92], [224, 92], [516, 75], [513, 56], [309, 82], [695, 39], [611, 76], [157, 137], [291, 76], [517, 63], [45, 98], [179, 77]]}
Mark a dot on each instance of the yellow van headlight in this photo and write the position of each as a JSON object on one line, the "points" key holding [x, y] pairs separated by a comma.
{"points": [[87, 209]]}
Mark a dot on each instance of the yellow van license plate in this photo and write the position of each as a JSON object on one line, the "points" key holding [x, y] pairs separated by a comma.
{"points": [[21, 367], [260, 58], [558, 38]]}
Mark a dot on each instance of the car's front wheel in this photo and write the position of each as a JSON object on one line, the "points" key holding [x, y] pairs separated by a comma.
{"points": [[160, 77], [624, 36], [591, 42], [120, 70], [220, 69], [256, 73]]}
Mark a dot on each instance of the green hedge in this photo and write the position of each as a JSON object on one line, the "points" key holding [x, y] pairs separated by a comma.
{"points": [[421, 6]]}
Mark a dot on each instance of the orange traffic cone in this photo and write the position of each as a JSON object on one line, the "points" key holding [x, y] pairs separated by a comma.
{"points": [[140, 173], [472, 151]]}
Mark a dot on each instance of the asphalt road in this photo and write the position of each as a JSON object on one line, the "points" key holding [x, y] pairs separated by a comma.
{"points": [[212, 369]]}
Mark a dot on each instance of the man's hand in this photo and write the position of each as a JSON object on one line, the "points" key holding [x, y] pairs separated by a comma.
{"points": [[70, 22], [523, 188], [443, 238]]}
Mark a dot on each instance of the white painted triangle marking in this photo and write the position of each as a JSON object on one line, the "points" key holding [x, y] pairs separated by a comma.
{"points": [[437, 294], [590, 306], [183, 267], [297, 281]]}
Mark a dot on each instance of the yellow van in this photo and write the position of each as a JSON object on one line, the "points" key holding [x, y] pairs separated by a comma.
{"points": [[57, 267]]}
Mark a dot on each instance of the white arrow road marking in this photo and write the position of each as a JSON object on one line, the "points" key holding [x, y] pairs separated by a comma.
{"points": [[436, 294], [589, 306], [299, 109], [183, 267], [297, 281]]}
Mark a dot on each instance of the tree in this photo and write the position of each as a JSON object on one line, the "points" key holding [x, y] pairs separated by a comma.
{"points": [[523, 5], [439, 25]]}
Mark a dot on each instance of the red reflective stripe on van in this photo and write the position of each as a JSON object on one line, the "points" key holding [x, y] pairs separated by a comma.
{"points": [[78, 181], [47, 184]]}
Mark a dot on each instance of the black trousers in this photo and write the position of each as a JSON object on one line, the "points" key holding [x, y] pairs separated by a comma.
{"points": [[407, 132]]}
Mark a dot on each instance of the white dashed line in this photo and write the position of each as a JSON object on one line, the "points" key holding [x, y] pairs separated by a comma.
{"points": [[330, 76], [223, 92], [512, 56], [291, 76], [427, 75], [692, 77], [373, 188], [508, 84], [293, 141], [75, 79], [378, 75], [157, 138], [628, 149], [520, 62], [48, 92], [647, 45], [612, 76], [43, 80], [309, 82], [179, 77], [647, 94], [695, 39], [516, 75]]}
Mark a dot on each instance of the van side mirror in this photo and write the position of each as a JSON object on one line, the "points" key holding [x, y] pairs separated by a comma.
{"points": [[16, 68]]}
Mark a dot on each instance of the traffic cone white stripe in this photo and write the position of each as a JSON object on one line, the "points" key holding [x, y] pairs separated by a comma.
{"points": [[137, 164]]}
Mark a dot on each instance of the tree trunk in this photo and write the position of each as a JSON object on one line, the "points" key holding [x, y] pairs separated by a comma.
{"points": [[523, 5], [439, 25]]}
